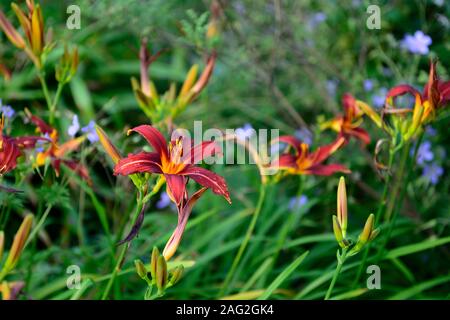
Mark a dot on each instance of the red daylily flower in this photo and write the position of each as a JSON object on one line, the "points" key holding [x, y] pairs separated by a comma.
{"points": [[436, 94], [304, 162], [176, 162], [56, 152], [348, 124], [11, 149]]}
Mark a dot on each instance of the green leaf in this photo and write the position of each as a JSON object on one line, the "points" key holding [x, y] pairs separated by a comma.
{"points": [[283, 276]]}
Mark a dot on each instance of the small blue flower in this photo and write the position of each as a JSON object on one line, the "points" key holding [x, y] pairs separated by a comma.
{"points": [[296, 203], [430, 131], [424, 154], [417, 44], [304, 135], [164, 202], [276, 148], [368, 85], [331, 86], [379, 98], [7, 111], [74, 127], [40, 144], [90, 131], [316, 19], [245, 132], [432, 173]]}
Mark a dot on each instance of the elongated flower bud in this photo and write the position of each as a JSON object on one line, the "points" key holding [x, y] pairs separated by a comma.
{"points": [[140, 268], [161, 274], [338, 233], [19, 243], [342, 206], [154, 262], [12, 34], [110, 149], [370, 113], [190, 79], [368, 228], [176, 274]]}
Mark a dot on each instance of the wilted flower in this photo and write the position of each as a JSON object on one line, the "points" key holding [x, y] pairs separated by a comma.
{"points": [[304, 162], [417, 43]]}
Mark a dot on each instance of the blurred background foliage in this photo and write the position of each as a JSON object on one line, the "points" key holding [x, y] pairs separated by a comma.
{"points": [[281, 64]]}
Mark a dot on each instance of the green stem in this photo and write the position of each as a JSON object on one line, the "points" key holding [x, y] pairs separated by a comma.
{"points": [[41, 76], [336, 273], [378, 214], [251, 227], [121, 258], [55, 102]]}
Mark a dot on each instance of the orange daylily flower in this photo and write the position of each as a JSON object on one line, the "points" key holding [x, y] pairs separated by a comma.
{"points": [[304, 162], [348, 124], [57, 152], [175, 161]]}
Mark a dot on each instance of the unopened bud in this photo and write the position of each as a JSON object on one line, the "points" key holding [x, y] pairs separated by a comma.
{"points": [[177, 274], [140, 268]]}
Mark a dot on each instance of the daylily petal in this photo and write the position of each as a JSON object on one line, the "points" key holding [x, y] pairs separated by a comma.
{"points": [[154, 138], [176, 187], [183, 216], [69, 146], [370, 113], [28, 142], [201, 151], [208, 179], [327, 170], [41, 124], [324, 152], [141, 162], [78, 168], [401, 90], [360, 133], [293, 141], [8, 156], [285, 161], [204, 77]]}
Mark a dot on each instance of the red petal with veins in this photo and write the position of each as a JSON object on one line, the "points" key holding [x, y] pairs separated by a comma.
{"points": [[176, 187], [404, 89], [154, 138], [201, 151], [208, 179], [41, 124], [141, 162]]}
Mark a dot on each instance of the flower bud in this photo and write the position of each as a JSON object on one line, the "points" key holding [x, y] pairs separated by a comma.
{"points": [[342, 206], [12, 34], [2, 244], [154, 262], [140, 268], [176, 275], [18, 244], [338, 233], [161, 274], [110, 149]]}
